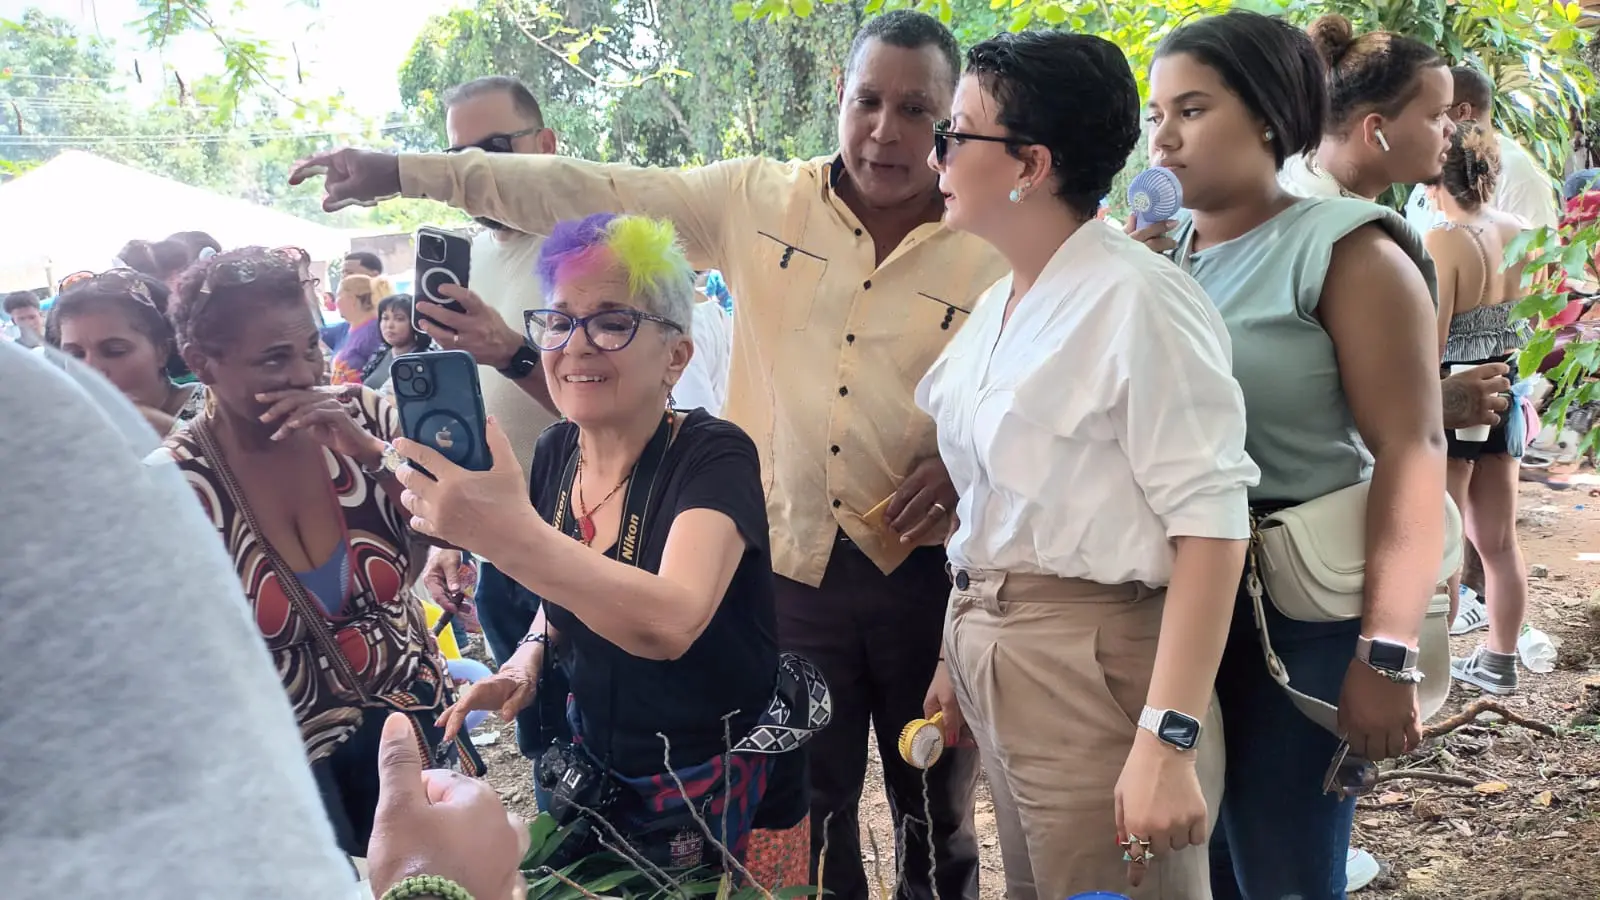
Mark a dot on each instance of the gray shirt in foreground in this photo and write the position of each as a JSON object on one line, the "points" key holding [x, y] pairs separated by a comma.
{"points": [[147, 748]]}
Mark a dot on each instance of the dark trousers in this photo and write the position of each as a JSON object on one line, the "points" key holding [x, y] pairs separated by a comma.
{"points": [[1279, 835], [347, 779], [504, 611], [876, 639]]}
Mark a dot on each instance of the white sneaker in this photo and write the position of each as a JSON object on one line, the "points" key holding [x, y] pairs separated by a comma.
{"points": [[1471, 614], [1360, 869]]}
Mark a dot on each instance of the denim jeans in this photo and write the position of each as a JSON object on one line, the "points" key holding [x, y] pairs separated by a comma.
{"points": [[1280, 837]]}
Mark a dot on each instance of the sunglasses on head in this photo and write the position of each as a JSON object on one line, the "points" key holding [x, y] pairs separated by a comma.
{"points": [[128, 281], [496, 143], [942, 136]]}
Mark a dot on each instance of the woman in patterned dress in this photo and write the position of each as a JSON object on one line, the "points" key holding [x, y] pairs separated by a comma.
{"points": [[291, 474]]}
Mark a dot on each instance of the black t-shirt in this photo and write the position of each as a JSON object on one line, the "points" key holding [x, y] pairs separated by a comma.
{"points": [[625, 700]]}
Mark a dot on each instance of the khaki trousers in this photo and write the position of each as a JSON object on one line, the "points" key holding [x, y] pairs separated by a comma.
{"points": [[1051, 675]]}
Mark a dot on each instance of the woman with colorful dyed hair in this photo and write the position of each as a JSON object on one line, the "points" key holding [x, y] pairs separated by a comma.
{"points": [[645, 572]]}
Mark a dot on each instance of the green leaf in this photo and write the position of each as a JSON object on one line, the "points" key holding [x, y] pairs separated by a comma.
{"points": [[1538, 347], [802, 8], [741, 10]]}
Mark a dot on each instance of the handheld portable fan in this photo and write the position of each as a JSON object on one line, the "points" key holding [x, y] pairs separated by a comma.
{"points": [[922, 741], [1155, 196]]}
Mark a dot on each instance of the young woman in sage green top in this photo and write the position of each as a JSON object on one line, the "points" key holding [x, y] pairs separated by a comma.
{"points": [[1330, 309]]}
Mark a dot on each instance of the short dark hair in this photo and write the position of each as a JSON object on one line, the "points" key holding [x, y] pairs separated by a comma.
{"points": [[909, 30], [1373, 72], [196, 241], [1270, 65], [522, 99], [19, 299], [207, 307], [402, 303], [149, 319], [1075, 95], [369, 261], [1474, 88]]}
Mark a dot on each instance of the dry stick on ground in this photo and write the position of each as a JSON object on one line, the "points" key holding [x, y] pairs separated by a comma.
{"points": [[877, 863], [727, 857], [822, 858], [1478, 708], [1425, 775], [542, 871], [633, 857]]}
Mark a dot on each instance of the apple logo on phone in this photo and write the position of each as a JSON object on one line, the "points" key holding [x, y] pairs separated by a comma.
{"points": [[443, 438]]}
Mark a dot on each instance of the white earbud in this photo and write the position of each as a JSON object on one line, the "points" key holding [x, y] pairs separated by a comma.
{"points": [[1382, 141]]}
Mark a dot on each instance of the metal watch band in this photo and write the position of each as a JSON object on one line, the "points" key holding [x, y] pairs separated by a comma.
{"points": [[1151, 720]]}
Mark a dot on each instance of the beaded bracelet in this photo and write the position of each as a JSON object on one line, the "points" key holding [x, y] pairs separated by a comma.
{"points": [[538, 637], [418, 886]]}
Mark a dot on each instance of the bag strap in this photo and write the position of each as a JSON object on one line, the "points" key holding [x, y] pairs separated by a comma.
{"points": [[308, 610], [1321, 712]]}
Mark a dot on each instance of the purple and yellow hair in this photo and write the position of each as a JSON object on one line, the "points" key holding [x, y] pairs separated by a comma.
{"points": [[647, 249]]}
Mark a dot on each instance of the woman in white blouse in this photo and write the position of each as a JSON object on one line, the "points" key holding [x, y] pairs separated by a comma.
{"points": [[1090, 422]]}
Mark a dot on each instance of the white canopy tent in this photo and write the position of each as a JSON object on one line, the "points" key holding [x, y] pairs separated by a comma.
{"points": [[76, 211]]}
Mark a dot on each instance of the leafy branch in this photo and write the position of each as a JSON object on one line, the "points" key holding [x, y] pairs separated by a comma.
{"points": [[246, 61], [1553, 259]]}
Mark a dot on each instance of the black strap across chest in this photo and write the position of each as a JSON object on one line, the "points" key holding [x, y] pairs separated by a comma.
{"points": [[635, 503]]}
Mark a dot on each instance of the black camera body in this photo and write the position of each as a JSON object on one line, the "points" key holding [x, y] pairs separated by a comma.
{"points": [[580, 792], [576, 783]]}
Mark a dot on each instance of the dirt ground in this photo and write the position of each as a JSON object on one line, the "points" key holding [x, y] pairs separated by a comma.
{"points": [[1523, 821]]}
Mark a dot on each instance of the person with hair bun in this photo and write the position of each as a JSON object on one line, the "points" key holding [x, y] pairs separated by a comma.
{"points": [[116, 323], [1388, 114], [1476, 326], [298, 480], [1329, 304], [162, 260], [1094, 432]]}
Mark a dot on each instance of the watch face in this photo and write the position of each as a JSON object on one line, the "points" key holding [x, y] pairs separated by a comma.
{"points": [[1388, 656], [1179, 730]]}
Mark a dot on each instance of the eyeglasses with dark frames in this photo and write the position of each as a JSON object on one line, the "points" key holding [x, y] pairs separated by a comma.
{"points": [[496, 143], [942, 136], [609, 330]]}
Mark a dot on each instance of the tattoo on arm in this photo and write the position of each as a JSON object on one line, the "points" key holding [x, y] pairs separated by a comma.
{"points": [[1458, 404]]}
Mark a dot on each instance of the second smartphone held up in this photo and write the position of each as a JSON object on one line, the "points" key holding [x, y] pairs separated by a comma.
{"points": [[443, 258], [441, 405]]}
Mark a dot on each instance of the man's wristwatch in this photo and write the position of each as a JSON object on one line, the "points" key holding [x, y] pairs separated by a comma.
{"points": [[1391, 659], [1173, 728], [522, 363]]}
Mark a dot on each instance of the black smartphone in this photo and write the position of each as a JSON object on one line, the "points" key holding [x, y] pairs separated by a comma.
{"points": [[443, 257], [441, 405]]}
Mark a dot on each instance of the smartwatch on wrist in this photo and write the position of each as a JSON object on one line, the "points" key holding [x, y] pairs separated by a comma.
{"points": [[522, 363], [1391, 659], [1175, 729]]}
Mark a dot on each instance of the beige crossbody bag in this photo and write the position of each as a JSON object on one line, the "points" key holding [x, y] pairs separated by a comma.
{"points": [[1311, 560]]}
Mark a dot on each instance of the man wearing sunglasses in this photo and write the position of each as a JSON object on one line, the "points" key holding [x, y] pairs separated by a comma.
{"points": [[849, 287], [496, 115]]}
